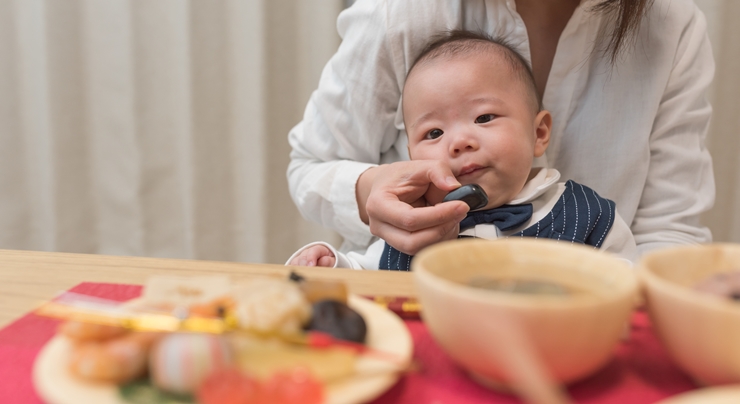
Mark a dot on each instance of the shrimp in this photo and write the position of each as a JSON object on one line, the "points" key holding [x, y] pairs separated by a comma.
{"points": [[79, 331], [115, 360]]}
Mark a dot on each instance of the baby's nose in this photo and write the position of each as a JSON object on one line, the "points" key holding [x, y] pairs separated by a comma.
{"points": [[463, 141]]}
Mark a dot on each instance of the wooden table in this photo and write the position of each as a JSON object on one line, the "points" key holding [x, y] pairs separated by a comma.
{"points": [[30, 277]]}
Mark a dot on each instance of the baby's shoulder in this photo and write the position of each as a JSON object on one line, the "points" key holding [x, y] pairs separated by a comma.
{"points": [[571, 191]]}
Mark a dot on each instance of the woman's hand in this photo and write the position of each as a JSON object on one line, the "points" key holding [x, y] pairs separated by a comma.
{"points": [[396, 198]]}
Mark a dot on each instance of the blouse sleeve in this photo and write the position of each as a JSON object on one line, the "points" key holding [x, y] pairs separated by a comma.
{"points": [[620, 240], [349, 123], [680, 182]]}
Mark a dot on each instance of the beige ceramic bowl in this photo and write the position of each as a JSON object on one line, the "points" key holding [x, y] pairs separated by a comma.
{"points": [[572, 335], [709, 395], [701, 332]]}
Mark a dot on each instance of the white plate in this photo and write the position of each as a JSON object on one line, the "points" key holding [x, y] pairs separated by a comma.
{"points": [[386, 332], [709, 395]]}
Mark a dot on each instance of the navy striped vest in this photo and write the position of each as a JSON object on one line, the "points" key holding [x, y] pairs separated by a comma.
{"points": [[580, 216]]}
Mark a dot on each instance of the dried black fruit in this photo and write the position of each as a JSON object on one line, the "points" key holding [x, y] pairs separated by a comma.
{"points": [[338, 320]]}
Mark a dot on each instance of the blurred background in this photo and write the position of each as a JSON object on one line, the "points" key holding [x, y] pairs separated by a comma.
{"points": [[159, 127]]}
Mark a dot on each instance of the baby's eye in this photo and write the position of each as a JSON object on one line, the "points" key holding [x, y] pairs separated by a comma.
{"points": [[485, 118], [434, 133]]}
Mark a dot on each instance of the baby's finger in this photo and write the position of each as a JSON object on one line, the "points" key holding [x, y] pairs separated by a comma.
{"points": [[315, 253], [327, 261], [298, 260]]}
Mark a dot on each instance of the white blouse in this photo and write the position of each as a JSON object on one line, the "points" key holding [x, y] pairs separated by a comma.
{"points": [[633, 131]]}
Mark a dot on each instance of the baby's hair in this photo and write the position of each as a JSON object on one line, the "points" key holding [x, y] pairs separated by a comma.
{"points": [[458, 43]]}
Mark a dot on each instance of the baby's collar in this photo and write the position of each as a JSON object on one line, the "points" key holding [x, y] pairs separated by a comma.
{"points": [[538, 185]]}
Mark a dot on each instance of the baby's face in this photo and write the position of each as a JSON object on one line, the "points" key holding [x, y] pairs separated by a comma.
{"points": [[473, 114]]}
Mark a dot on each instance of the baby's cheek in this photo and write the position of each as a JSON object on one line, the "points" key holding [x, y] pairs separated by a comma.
{"points": [[423, 151]]}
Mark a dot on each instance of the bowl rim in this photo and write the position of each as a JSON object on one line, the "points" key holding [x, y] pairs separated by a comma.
{"points": [[654, 281], [631, 285]]}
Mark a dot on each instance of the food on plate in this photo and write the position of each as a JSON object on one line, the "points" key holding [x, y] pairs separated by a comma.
{"points": [[725, 285], [216, 308], [274, 340], [179, 362], [320, 289], [338, 320], [115, 360], [231, 386], [262, 357], [268, 305], [85, 331], [180, 291], [292, 386]]}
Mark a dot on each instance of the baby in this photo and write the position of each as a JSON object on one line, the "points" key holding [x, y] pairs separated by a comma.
{"points": [[470, 101]]}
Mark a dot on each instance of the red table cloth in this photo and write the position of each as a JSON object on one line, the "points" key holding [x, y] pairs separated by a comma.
{"points": [[640, 372]]}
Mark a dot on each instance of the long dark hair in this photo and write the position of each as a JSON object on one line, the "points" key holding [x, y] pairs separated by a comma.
{"points": [[626, 15]]}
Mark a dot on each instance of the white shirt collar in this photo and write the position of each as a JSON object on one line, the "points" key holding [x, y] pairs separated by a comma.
{"points": [[539, 184]]}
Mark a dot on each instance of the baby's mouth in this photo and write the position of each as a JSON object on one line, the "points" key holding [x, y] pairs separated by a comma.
{"points": [[469, 170]]}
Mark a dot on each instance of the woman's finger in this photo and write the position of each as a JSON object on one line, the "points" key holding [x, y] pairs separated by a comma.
{"points": [[398, 210], [411, 242], [412, 219]]}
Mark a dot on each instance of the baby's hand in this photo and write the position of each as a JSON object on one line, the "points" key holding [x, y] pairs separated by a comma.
{"points": [[317, 255]]}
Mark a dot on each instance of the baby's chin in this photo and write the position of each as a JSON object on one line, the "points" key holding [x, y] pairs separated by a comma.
{"points": [[496, 199]]}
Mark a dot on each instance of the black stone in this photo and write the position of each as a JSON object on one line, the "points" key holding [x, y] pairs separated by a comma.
{"points": [[472, 194], [338, 320]]}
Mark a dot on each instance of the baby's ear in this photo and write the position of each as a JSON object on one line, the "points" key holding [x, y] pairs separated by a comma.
{"points": [[542, 128]]}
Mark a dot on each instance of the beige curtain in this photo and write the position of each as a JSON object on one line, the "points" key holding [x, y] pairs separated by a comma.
{"points": [[158, 127], [724, 132]]}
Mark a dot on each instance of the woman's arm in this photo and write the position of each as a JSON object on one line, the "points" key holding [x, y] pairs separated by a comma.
{"points": [[349, 124], [352, 126], [620, 240]]}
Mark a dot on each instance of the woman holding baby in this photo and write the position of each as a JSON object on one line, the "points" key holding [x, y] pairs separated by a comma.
{"points": [[624, 80]]}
